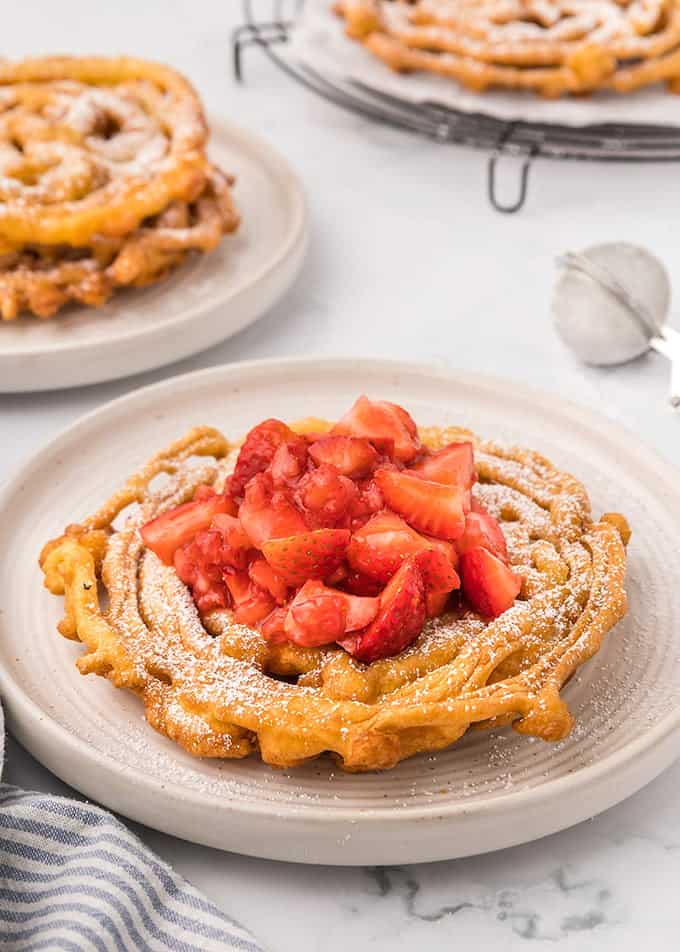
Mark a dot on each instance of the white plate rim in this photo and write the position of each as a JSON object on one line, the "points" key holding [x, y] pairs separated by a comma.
{"points": [[665, 732]]}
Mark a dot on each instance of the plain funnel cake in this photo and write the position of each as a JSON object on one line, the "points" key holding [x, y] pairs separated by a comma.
{"points": [[551, 47], [104, 180], [365, 589]]}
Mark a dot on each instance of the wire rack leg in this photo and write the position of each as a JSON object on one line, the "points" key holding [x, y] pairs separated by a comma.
{"points": [[502, 149], [259, 34]]}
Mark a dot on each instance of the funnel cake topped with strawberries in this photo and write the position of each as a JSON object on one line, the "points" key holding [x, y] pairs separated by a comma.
{"points": [[365, 588]]}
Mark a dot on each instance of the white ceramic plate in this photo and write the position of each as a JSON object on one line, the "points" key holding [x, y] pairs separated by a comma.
{"points": [[205, 301], [491, 789]]}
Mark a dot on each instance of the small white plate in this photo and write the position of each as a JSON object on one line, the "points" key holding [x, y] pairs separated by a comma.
{"points": [[208, 299], [492, 789]]}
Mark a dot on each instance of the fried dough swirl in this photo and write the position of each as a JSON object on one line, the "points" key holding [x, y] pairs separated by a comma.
{"points": [[221, 690]]}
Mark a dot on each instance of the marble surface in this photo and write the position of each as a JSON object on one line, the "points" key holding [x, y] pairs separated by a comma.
{"points": [[407, 260]]}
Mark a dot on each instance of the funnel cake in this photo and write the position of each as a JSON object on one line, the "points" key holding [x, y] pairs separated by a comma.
{"points": [[104, 180], [551, 47], [42, 279], [223, 689]]}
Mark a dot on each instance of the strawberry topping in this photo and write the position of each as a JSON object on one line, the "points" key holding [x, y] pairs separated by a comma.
{"points": [[167, 532], [399, 620], [489, 585], [454, 466], [481, 529], [353, 537], [307, 555], [434, 508], [319, 615], [350, 455], [385, 424], [258, 451], [379, 547]]}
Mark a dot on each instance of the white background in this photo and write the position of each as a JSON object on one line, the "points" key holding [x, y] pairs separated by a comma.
{"points": [[407, 259]]}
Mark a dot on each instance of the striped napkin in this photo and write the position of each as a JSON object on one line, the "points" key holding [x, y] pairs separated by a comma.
{"points": [[73, 878]]}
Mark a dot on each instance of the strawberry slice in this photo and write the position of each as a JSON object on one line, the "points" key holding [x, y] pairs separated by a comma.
{"points": [[481, 529], [337, 577], [379, 547], [437, 571], [399, 621], [382, 423], [316, 616], [453, 465], [172, 529], [326, 496], [258, 451], [261, 572], [268, 514], [429, 507], [204, 578], [235, 546], [216, 598], [289, 462], [272, 627], [360, 611], [367, 503], [319, 615], [358, 583], [252, 604], [435, 603], [350, 455], [307, 555], [489, 585]]}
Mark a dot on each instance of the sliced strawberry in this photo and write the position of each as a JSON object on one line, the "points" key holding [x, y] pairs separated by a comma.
{"points": [[319, 615], [379, 547], [435, 603], [429, 507], [258, 451], [203, 578], [361, 611], [399, 621], [272, 626], [203, 492], [489, 585], [307, 555], [368, 501], [268, 514], [261, 572], [381, 422], [316, 616], [371, 497], [481, 529], [236, 548], [252, 604], [337, 577], [216, 598], [453, 465], [185, 565], [289, 462], [350, 455], [437, 571], [360, 584], [326, 496], [167, 532]]}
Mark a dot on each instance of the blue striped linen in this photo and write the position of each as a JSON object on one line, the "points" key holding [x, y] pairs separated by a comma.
{"points": [[73, 878]]}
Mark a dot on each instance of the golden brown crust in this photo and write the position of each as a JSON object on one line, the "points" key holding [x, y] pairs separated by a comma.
{"points": [[548, 46], [104, 180], [42, 280], [77, 124], [221, 694]]}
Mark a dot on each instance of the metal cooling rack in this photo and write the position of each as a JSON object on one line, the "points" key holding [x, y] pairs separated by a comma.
{"points": [[270, 28]]}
